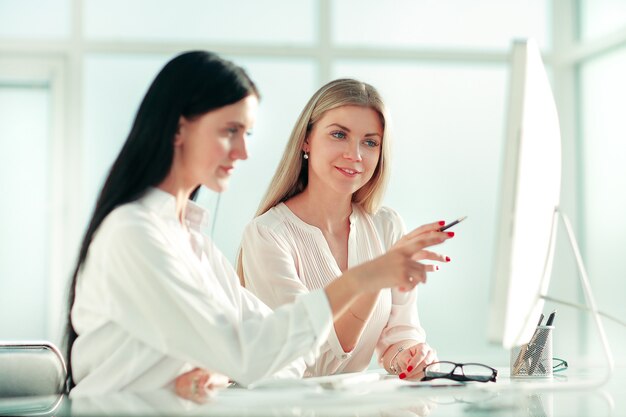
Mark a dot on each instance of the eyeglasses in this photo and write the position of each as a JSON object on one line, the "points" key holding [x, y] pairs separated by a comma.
{"points": [[460, 372], [559, 365]]}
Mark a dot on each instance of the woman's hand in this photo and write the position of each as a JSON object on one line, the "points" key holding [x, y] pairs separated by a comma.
{"points": [[425, 254], [400, 266], [198, 385], [410, 362]]}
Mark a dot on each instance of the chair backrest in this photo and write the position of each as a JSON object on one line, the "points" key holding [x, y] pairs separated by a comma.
{"points": [[31, 368]]}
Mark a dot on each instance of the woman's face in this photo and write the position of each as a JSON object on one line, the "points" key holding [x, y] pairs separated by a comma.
{"points": [[207, 147], [344, 148]]}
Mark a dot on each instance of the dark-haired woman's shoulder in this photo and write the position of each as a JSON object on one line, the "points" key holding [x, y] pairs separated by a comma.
{"points": [[129, 213], [130, 221]]}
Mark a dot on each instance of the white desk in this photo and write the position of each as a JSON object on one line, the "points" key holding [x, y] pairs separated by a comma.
{"points": [[374, 399]]}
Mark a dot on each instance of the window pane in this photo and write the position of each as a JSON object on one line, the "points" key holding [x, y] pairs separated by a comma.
{"points": [[114, 87], [448, 133], [601, 17], [283, 21], [485, 24], [603, 149], [34, 18], [24, 171]]}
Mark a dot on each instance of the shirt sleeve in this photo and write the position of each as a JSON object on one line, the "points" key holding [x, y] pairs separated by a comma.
{"points": [[403, 321], [270, 272], [151, 296], [252, 305]]}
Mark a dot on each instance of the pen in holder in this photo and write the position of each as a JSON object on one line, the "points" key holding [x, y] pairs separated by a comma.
{"points": [[534, 359]]}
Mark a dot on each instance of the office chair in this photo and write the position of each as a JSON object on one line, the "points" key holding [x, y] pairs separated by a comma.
{"points": [[31, 368]]}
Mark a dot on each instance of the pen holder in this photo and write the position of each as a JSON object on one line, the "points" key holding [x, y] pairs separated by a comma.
{"points": [[534, 359]]}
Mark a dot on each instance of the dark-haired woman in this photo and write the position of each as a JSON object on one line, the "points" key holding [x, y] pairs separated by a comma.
{"points": [[152, 298]]}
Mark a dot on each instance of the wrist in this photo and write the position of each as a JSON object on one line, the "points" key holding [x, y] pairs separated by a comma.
{"points": [[392, 353], [393, 367]]}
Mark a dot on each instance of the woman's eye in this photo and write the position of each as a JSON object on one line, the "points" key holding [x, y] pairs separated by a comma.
{"points": [[338, 134], [371, 143], [232, 131]]}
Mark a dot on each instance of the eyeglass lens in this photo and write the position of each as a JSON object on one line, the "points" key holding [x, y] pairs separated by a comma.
{"points": [[470, 371]]}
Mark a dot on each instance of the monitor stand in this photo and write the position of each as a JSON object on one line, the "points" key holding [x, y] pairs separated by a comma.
{"points": [[591, 305]]}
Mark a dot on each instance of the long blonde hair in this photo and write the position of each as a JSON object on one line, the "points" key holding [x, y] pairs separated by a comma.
{"points": [[291, 177]]}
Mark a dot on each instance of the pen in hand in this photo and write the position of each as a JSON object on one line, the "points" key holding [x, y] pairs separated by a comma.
{"points": [[449, 225]]}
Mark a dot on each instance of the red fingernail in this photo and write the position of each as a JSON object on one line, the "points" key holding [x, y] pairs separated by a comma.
{"points": [[436, 267], [447, 259], [451, 234], [402, 375], [441, 222], [409, 369]]}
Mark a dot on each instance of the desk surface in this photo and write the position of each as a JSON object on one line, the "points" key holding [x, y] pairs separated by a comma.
{"points": [[563, 396]]}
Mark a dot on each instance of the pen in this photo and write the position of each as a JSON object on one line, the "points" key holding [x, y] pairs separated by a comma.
{"points": [[449, 225], [540, 320], [520, 357], [541, 367], [540, 344]]}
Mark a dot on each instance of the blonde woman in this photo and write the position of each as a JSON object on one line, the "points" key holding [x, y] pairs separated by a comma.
{"points": [[322, 215]]}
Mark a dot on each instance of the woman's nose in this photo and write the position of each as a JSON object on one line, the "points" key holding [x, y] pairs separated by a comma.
{"points": [[353, 152], [240, 149]]}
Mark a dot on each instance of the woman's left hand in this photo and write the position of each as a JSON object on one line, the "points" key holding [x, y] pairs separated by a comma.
{"points": [[198, 385], [411, 361]]}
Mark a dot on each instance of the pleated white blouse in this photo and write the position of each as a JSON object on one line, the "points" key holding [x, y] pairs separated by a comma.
{"points": [[284, 257], [154, 299]]}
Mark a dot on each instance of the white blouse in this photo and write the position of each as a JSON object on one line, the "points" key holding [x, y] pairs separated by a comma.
{"points": [[154, 300], [284, 257]]}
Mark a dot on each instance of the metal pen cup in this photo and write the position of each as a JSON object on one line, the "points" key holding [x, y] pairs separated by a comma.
{"points": [[534, 359]]}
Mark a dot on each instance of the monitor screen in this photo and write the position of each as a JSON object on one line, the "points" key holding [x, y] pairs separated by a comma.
{"points": [[529, 193]]}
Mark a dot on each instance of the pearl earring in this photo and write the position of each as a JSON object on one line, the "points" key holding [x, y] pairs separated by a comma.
{"points": [[305, 156]]}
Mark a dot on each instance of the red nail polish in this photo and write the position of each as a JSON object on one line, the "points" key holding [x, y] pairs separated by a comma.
{"points": [[451, 234], [441, 222], [447, 259], [410, 368], [402, 375], [436, 267]]}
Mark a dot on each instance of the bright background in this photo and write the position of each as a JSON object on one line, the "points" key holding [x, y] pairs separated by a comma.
{"points": [[72, 73]]}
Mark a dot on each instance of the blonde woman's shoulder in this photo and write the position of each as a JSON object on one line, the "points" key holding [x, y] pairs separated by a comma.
{"points": [[389, 224], [273, 220], [387, 215]]}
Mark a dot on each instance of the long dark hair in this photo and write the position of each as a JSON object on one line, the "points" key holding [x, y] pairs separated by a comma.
{"points": [[189, 85]]}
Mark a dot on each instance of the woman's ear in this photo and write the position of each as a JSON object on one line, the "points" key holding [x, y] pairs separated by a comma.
{"points": [[180, 131]]}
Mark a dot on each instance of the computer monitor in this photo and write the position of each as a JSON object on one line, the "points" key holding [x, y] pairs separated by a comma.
{"points": [[529, 194]]}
